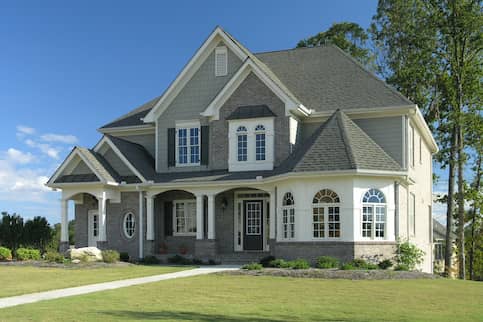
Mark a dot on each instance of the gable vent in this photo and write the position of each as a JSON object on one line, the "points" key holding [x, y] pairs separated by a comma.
{"points": [[221, 61]]}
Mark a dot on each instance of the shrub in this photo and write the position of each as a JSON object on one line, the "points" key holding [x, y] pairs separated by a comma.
{"points": [[124, 256], [54, 257], [197, 261], [358, 263], [299, 263], [178, 259], [5, 254], [401, 267], [279, 263], [212, 262], [327, 262], [371, 266], [110, 256], [253, 266], [347, 267], [408, 255], [385, 264], [265, 261], [151, 260], [24, 254]]}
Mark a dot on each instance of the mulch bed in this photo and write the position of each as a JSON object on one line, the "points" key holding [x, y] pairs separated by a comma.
{"points": [[335, 274], [64, 265]]}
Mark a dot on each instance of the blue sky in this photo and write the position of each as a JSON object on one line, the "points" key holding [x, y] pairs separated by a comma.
{"points": [[68, 67]]}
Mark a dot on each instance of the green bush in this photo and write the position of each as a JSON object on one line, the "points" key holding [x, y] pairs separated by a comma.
{"points": [[151, 260], [385, 264], [371, 266], [54, 257], [327, 262], [5, 254], [180, 260], [124, 256], [408, 255], [348, 267], [197, 261], [401, 267], [265, 261], [279, 263], [358, 263], [213, 262], [299, 263], [110, 256], [24, 254], [252, 267]]}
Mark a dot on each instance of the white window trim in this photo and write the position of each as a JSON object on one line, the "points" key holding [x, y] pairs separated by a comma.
{"points": [[185, 202], [374, 205], [238, 134], [124, 225], [255, 133], [288, 208], [221, 50], [325, 205], [187, 125]]}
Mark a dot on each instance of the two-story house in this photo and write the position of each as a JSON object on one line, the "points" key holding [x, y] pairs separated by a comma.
{"points": [[293, 153]]}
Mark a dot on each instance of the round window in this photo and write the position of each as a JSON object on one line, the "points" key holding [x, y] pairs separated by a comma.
{"points": [[129, 225]]}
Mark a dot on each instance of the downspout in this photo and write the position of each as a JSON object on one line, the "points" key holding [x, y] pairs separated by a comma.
{"points": [[141, 222]]}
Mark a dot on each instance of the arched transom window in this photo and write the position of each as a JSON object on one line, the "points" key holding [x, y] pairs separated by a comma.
{"points": [[288, 216], [326, 214], [129, 225], [242, 143], [260, 142], [374, 214]]}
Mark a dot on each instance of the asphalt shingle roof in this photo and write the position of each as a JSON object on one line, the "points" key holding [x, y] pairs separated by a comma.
{"points": [[248, 112], [134, 117]]}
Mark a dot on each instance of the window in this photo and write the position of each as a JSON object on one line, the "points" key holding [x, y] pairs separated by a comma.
{"points": [[221, 61], [129, 225], [288, 216], [412, 214], [254, 218], [260, 142], [184, 217], [95, 225], [242, 143], [411, 146], [326, 214], [188, 146], [374, 214]]}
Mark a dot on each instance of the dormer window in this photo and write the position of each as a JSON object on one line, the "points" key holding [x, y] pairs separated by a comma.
{"points": [[221, 61], [260, 142], [242, 143]]}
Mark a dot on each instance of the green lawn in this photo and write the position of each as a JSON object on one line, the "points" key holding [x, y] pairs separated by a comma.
{"points": [[267, 299], [16, 280]]}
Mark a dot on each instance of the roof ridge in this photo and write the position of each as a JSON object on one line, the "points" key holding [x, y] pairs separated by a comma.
{"points": [[293, 49], [346, 138]]}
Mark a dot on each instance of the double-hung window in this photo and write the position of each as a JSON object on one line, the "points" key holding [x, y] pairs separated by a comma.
{"points": [[242, 143], [374, 214], [326, 215], [288, 216], [184, 217], [188, 145], [260, 142]]}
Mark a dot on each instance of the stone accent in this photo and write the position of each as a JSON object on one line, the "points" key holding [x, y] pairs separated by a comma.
{"points": [[205, 248], [224, 222], [374, 251], [344, 251], [63, 246]]}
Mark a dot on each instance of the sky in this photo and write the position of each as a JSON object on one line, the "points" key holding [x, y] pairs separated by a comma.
{"points": [[69, 67]]}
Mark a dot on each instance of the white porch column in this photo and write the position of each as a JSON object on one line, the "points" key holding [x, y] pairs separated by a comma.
{"points": [[199, 217], [64, 221], [273, 214], [211, 216], [141, 224], [101, 201], [150, 218]]}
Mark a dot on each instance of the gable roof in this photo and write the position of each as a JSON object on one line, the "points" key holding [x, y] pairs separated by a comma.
{"points": [[339, 144], [252, 111], [326, 78], [134, 117]]}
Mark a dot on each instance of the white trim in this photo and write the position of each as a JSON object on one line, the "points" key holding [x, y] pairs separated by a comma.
{"points": [[187, 125], [124, 224], [91, 239], [213, 109], [106, 140], [189, 70], [129, 130]]}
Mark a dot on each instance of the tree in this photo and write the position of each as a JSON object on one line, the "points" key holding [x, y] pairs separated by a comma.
{"points": [[348, 36], [37, 233], [11, 228], [55, 233]]}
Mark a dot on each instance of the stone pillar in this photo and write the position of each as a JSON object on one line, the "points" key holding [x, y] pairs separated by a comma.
{"points": [[199, 217], [211, 216], [64, 226], [150, 218]]}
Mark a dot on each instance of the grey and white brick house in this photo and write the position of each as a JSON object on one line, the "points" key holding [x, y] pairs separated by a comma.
{"points": [[293, 153]]}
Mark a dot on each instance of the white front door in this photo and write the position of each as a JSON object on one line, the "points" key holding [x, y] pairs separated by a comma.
{"points": [[93, 228]]}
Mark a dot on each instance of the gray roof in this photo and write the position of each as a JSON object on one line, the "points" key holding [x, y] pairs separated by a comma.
{"points": [[252, 111], [133, 118], [91, 177]]}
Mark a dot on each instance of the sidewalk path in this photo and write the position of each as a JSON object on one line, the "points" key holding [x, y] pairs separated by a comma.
{"points": [[71, 291]]}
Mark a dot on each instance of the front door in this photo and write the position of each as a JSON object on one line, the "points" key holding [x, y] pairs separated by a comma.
{"points": [[253, 225], [93, 228]]}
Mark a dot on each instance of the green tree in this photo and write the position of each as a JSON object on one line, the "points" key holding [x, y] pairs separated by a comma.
{"points": [[37, 233], [11, 228], [348, 36], [55, 233]]}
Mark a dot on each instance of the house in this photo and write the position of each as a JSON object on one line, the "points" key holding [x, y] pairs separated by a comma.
{"points": [[293, 153], [439, 250]]}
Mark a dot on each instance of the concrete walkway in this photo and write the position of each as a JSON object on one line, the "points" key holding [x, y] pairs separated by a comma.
{"points": [[71, 291]]}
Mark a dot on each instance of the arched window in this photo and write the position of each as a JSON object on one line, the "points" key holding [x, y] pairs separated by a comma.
{"points": [[129, 225], [260, 142], [242, 143], [288, 216], [326, 214], [373, 214]]}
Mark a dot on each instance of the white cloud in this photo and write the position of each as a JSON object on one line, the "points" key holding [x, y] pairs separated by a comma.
{"points": [[25, 129], [18, 156], [45, 148], [67, 139]]}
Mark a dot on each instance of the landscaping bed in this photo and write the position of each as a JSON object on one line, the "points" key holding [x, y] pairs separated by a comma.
{"points": [[66, 264], [375, 274]]}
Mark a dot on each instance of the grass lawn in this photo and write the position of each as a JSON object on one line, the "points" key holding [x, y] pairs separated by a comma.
{"points": [[267, 299], [16, 280]]}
